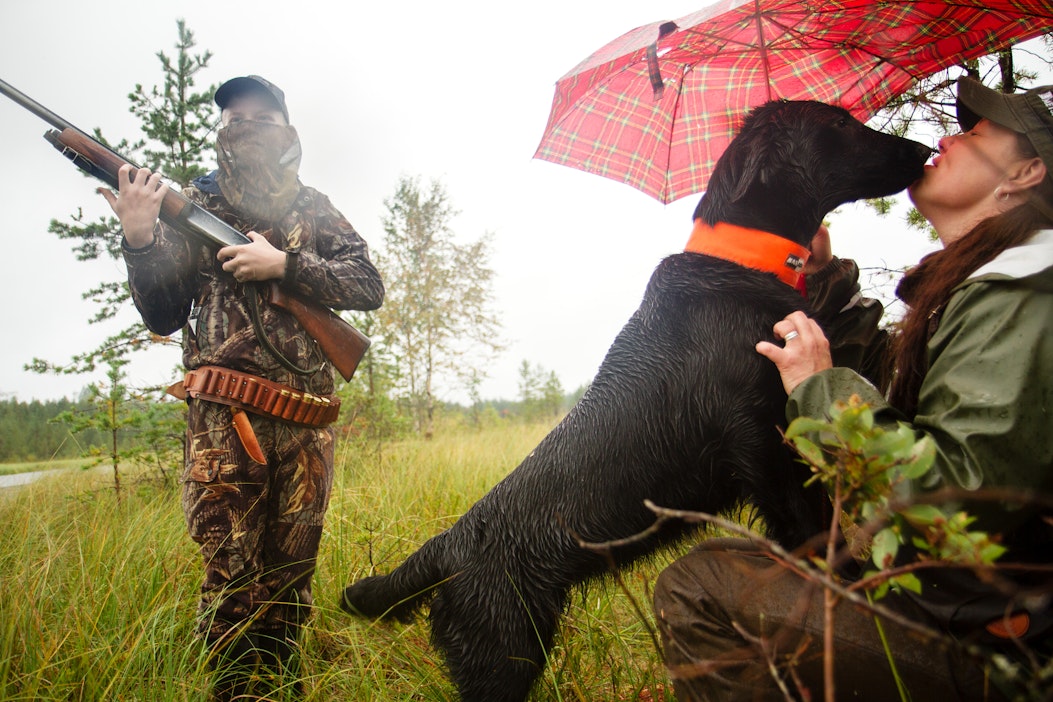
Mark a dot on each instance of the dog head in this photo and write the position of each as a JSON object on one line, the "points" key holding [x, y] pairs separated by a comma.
{"points": [[794, 161]]}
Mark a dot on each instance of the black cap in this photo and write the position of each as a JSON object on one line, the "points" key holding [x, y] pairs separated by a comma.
{"points": [[1029, 113], [251, 84]]}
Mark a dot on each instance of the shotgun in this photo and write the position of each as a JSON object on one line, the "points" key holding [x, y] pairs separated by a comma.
{"points": [[341, 343]]}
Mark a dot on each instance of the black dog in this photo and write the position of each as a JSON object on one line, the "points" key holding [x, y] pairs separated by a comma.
{"points": [[683, 411]]}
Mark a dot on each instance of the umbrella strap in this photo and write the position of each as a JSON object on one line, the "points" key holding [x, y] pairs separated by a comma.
{"points": [[752, 248]]}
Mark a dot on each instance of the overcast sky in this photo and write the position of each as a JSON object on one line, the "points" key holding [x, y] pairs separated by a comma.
{"points": [[458, 91]]}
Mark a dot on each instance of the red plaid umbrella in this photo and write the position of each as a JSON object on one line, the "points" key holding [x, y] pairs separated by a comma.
{"points": [[656, 107]]}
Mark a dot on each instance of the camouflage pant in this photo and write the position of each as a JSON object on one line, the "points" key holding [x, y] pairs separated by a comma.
{"points": [[258, 526]]}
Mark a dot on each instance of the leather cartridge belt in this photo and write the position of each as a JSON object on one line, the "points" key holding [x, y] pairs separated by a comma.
{"points": [[260, 396]]}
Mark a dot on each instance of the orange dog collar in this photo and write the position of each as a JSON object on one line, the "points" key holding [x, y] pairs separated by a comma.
{"points": [[753, 248]]}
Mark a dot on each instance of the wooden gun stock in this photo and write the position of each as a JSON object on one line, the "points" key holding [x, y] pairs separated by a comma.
{"points": [[342, 344]]}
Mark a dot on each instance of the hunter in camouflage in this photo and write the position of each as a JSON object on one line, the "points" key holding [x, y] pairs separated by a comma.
{"points": [[258, 523]]}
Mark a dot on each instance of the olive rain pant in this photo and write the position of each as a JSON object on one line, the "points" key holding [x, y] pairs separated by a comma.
{"points": [[258, 526], [723, 602]]}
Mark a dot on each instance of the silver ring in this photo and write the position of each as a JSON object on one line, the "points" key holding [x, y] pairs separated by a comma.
{"points": [[791, 335]]}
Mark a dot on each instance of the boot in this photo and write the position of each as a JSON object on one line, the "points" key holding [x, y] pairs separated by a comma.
{"points": [[252, 666], [280, 664], [235, 664]]}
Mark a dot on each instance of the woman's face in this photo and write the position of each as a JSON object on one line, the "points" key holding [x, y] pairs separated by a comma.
{"points": [[961, 185]]}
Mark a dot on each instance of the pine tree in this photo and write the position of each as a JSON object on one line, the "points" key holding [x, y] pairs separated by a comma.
{"points": [[176, 124]]}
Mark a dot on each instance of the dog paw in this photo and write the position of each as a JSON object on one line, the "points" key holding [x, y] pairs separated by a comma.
{"points": [[347, 605]]}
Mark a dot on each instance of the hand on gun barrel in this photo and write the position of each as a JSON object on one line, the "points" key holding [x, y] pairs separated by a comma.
{"points": [[137, 203]]}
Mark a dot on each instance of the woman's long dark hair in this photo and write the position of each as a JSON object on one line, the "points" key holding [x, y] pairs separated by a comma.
{"points": [[927, 287]]}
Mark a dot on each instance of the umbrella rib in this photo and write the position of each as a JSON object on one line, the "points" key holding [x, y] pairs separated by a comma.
{"points": [[762, 45], [667, 185]]}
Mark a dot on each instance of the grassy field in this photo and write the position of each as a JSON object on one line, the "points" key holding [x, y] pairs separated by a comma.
{"points": [[99, 595]]}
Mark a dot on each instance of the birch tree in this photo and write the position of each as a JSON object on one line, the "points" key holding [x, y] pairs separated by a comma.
{"points": [[437, 318]]}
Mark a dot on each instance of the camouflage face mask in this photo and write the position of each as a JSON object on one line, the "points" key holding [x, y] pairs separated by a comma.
{"points": [[258, 167]]}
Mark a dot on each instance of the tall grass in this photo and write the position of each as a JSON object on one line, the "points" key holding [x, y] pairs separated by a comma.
{"points": [[97, 596]]}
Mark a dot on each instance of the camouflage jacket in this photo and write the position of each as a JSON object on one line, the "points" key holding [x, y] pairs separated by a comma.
{"points": [[178, 283]]}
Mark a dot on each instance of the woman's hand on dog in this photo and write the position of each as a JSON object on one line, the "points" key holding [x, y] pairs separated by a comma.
{"points": [[804, 353]]}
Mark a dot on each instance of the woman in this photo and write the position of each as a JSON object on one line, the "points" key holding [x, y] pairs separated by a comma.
{"points": [[973, 370]]}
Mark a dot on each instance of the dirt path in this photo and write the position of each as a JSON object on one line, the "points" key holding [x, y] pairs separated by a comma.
{"points": [[16, 479]]}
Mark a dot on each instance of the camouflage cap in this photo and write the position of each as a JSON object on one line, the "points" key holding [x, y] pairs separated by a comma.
{"points": [[1029, 113], [251, 84]]}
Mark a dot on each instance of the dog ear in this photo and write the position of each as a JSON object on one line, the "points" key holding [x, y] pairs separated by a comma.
{"points": [[754, 159], [757, 156], [752, 171], [737, 168]]}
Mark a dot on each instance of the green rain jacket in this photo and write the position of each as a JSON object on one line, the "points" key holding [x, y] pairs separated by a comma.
{"points": [[987, 398], [987, 404]]}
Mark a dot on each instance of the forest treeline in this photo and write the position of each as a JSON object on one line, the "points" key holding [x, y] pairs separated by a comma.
{"points": [[29, 431], [45, 430]]}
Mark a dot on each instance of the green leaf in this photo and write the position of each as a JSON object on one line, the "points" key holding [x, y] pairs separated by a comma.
{"points": [[866, 417], [806, 425], [908, 581], [991, 552], [809, 451], [921, 459], [855, 440], [889, 444], [854, 420], [923, 515], [884, 548]]}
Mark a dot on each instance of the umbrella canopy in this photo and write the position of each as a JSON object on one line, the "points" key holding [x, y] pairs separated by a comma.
{"points": [[656, 107]]}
